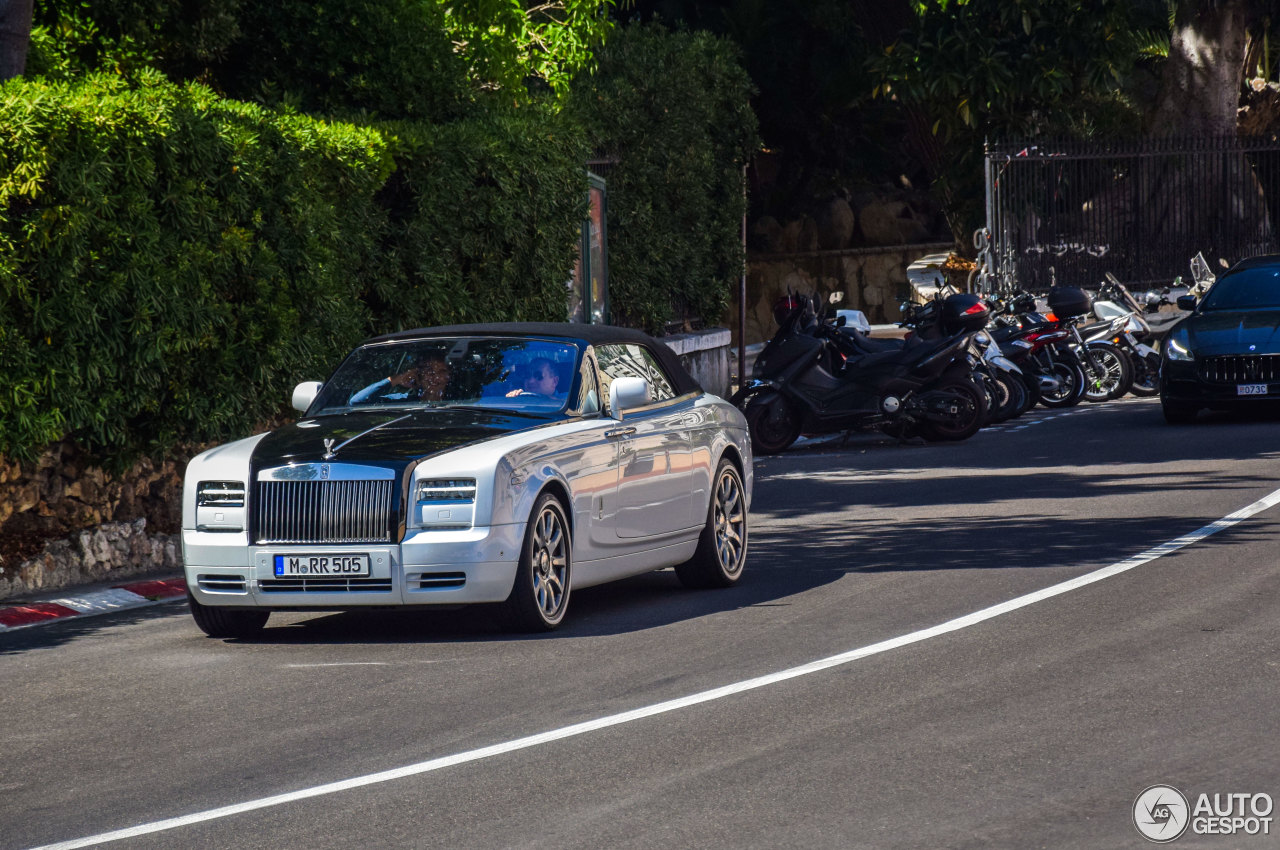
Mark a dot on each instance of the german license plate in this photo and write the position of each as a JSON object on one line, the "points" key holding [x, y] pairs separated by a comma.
{"points": [[332, 564], [1251, 389]]}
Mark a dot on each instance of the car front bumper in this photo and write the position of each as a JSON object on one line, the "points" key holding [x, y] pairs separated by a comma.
{"points": [[428, 568], [1180, 384]]}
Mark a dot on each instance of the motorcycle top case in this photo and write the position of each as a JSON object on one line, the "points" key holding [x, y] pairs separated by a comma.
{"points": [[964, 312], [1067, 301]]}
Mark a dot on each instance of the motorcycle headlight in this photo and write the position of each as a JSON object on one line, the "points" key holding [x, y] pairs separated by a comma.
{"points": [[1178, 346]]}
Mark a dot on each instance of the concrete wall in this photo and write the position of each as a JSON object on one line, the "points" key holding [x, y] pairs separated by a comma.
{"points": [[705, 355], [873, 280]]}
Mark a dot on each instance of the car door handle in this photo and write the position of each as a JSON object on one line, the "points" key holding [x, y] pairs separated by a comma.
{"points": [[621, 432]]}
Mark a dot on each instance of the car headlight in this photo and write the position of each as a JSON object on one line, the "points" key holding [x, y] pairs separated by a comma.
{"points": [[220, 494], [1178, 346], [220, 506], [444, 503]]}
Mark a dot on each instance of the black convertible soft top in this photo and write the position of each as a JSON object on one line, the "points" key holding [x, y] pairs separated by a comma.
{"points": [[582, 333]]}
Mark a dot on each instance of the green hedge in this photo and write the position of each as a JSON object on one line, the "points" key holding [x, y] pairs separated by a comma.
{"points": [[171, 263], [673, 110], [484, 218], [170, 260]]}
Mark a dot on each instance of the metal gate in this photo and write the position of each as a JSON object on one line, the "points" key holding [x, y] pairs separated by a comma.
{"points": [[1070, 211]]}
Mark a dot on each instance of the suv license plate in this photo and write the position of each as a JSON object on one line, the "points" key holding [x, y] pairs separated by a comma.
{"points": [[332, 565], [1251, 389]]}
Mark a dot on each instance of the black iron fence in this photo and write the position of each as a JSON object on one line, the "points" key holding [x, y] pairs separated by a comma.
{"points": [[1071, 211]]}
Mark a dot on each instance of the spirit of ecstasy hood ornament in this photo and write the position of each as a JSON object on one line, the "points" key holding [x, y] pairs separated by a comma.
{"points": [[330, 451]]}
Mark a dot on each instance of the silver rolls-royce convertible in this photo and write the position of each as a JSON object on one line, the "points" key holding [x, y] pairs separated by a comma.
{"points": [[503, 463]]}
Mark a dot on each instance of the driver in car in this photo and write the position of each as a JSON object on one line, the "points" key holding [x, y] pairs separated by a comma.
{"points": [[543, 380]]}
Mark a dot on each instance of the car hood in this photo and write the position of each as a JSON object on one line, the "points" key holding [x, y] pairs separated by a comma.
{"points": [[1235, 332], [394, 438]]}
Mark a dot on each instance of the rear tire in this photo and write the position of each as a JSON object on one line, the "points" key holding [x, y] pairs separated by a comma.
{"points": [[722, 548], [219, 622], [1013, 393], [1071, 390], [1032, 385], [1146, 378], [962, 402]]}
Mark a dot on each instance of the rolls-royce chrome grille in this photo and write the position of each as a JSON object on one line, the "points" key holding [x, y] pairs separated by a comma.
{"points": [[1240, 368], [323, 511]]}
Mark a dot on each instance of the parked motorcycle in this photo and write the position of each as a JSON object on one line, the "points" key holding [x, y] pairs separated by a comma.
{"points": [[1000, 379], [1128, 330], [816, 377], [1041, 348]]}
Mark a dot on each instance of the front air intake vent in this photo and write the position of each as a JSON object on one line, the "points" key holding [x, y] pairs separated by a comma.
{"points": [[325, 585], [1240, 368]]}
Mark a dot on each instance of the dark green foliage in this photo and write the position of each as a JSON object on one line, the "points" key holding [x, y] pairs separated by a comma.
{"points": [[673, 109], [388, 59], [171, 262], [182, 38], [484, 220], [374, 58]]}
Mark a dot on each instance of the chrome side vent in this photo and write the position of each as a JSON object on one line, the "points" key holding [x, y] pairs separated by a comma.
{"points": [[438, 581], [342, 511], [221, 584]]}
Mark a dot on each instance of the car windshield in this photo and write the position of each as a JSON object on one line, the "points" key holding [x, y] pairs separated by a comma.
{"points": [[1248, 289], [522, 376]]}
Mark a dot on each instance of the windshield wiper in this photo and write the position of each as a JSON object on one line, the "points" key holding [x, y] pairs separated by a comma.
{"points": [[499, 411]]}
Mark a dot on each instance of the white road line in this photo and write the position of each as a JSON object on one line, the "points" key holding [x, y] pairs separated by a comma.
{"points": [[683, 702], [340, 664]]}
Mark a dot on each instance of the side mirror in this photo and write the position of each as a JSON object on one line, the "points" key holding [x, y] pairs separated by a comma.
{"points": [[841, 321], [627, 394], [1186, 302], [305, 393]]}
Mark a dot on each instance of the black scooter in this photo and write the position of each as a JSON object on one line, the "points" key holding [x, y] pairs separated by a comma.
{"points": [[815, 377]]}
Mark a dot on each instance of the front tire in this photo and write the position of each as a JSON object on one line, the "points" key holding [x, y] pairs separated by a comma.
{"points": [[722, 547], [540, 596], [219, 622], [773, 426], [1115, 377]]}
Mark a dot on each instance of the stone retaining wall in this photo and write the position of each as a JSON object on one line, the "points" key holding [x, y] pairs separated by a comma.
{"points": [[112, 552], [101, 525]]}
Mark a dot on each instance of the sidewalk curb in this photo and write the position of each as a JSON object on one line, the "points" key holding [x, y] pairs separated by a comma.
{"points": [[119, 598]]}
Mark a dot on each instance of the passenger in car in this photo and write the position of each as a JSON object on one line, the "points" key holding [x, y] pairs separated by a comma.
{"points": [[426, 380]]}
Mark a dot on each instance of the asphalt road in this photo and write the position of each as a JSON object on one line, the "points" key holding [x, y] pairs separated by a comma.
{"points": [[1035, 725]]}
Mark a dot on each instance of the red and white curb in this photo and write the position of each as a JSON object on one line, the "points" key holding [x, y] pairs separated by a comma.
{"points": [[137, 595]]}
